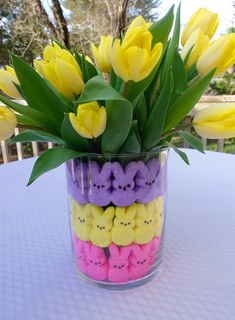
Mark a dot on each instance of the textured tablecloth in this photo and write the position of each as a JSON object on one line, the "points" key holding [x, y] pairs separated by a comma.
{"points": [[37, 280]]}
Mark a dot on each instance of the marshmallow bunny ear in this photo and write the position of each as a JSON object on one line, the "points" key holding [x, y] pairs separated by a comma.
{"points": [[106, 170], [117, 170], [135, 249], [143, 171], [153, 165], [131, 169], [94, 168], [124, 252], [109, 213], [97, 211], [131, 210], [96, 251], [120, 212], [114, 251]]}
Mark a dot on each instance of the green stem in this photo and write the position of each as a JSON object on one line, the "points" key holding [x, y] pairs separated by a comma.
{"points": [[184, 126], [125, 89]]}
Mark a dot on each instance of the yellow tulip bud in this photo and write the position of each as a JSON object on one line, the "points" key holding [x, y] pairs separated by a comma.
{"points": [[90, 121], [220, 55], [216, 122], [7, 77], [61, 69], [8, 123], [199, 42], [134, 58], [202, 19], [138, 22], [102, 53]]}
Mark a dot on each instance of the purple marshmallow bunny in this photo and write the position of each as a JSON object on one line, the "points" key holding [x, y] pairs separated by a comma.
{"points": [[124, 193], [148, 180], [77, 180], [100, 183]]}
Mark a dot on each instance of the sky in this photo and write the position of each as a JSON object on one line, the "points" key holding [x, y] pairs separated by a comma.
{"points": [[223, 7]]}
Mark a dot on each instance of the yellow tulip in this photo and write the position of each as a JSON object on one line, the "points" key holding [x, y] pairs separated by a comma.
{"points": [[220, 55], [202, 19], [138, 22], [60, 68], [7, 77], [199, 42], [102, 53], [8, 123], [134, 58], [90, 121], [216, 122]]}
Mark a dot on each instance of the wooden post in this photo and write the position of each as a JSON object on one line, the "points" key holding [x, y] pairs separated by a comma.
{"points": [[5, 153]]}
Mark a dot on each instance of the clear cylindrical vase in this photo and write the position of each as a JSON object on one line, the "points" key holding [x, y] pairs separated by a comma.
{"points": [[117, 217]]}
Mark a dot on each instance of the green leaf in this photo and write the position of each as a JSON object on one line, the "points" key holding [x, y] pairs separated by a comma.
{"points": [[37, 92], [36, 135], [132, 143], [179, 74], [30, 113], [161, 28], [173, 46], [72, 138], [119, 119], [97, 89], [141, 113], [182, 105], [155, 123], [51, 159], [179, 152], [88, 69], [25, 121], [193, 141]]}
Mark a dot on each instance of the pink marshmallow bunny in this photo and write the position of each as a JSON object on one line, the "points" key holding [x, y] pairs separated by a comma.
{"points": [[79, 249], [155, 244], [97, 266], [123, 184], [118, 263], [140, 260]]}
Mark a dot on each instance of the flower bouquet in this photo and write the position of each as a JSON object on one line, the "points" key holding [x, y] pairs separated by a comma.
{"points": [[112, 123]]}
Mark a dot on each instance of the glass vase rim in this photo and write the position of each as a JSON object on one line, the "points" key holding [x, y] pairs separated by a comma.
{"points": [[126, 155]]}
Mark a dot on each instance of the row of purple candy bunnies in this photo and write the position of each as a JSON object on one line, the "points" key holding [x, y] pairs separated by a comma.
{"points": [[90, 182]]}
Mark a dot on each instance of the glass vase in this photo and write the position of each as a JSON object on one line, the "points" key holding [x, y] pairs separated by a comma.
{"points": [[117, 217]]}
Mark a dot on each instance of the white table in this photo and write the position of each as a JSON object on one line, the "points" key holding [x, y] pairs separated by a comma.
{"points": [[37, 281]]}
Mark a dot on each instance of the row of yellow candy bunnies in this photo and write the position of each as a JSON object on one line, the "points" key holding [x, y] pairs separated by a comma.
{"points": [[138, 223]]}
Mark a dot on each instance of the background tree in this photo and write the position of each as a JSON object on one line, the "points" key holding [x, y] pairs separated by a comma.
{"points": [[26, 26]]}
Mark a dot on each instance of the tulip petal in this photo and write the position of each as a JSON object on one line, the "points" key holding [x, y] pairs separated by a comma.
{"points": [[216, 122], [6, 83], [8, 123], [119, 61]]}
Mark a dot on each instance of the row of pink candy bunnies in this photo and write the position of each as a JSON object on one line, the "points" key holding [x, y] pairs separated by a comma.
{"points": [[124, 263]]}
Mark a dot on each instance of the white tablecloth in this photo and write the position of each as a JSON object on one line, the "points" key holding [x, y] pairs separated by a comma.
{"points": [[37, 280]]}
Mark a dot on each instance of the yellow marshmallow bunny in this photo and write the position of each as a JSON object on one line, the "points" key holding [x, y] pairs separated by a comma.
{"points": [[144, 231], [101, 226], [123, 231], [81, 219], [159, 216]]}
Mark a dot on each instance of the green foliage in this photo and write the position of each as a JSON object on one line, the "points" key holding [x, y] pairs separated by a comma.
{"points": [[39, 136], [38, 94], [72, 138], [51, 159], [225, 84]]}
